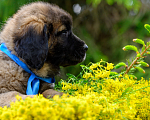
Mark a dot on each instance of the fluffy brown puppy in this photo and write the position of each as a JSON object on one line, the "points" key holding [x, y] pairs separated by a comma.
{"points": [[40, 35]]}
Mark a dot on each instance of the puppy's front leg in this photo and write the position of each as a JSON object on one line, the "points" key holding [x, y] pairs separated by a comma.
{"points": [[7, 98], [50, 93]]}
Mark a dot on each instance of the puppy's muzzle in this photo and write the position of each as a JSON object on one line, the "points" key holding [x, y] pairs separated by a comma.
{"points": [[85, 47]]}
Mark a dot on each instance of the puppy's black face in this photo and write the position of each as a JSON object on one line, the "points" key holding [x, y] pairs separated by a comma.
{"points": [[47, 44], [68, 50]]}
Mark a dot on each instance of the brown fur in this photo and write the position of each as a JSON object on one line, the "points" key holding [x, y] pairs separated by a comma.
{"points": [[38, 16]]}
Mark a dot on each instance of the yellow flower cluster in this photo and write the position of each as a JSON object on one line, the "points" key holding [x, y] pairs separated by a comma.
{"points": [[98, 71], [116, 99], [121, 98]]}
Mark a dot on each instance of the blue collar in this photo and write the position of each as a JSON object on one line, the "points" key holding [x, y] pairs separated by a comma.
{"points": [[33, 81]]}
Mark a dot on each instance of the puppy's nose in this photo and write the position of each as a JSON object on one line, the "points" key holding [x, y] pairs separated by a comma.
{"points": [[85, 47]]}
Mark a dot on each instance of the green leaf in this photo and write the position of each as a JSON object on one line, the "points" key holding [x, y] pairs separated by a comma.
{"points": [[134, 77], [130, 47], [139, 41], [138, 55], [148, 43], [148, 52], [110, 2], [93, 2], [143, 48], [140, 69], [120, 65], [143, 64], [96, 2], [84, 67], [113, 73], [70, 75], [147, 26]]}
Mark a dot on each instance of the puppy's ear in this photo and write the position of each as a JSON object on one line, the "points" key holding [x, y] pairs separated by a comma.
{"points": [[33, 46]]}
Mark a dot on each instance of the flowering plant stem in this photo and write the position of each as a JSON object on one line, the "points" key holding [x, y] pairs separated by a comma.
{"points": [[134, 62]]}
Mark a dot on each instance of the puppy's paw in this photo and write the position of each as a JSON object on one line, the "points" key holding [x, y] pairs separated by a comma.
{"points": [[50, 93], [7, 98]]}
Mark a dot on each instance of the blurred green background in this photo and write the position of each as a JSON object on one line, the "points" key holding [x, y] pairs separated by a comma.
{"points": [[105, 25]]}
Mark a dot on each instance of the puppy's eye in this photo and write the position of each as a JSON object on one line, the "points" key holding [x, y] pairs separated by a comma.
{"points": [[64, 32]]}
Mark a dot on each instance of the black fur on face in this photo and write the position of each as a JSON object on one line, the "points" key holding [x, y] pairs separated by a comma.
{"points": [[53, 47], [33, 47], [67, 49], [71, 52]]}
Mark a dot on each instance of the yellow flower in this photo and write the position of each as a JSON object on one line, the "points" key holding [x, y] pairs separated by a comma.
{"points": [[6, 115], [21, 110], [110, 66], [105, 74], [98, 75], [18, 97], [120, 76], [93, 66], [92, 99], [74, 86], [87, 75]]}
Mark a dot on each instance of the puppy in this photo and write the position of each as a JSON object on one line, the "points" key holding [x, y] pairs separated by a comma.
{"points": [[40, 35]]}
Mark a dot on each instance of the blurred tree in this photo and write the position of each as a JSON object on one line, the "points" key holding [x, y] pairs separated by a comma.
{"points": [[116, 26], [129, 4], [112, 27]]}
